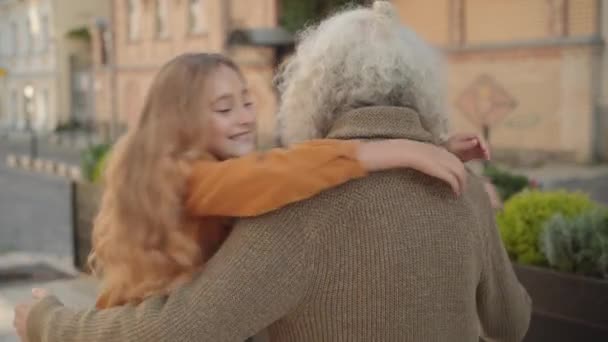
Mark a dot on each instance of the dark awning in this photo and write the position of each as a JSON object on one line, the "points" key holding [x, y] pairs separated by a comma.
{"points": [[267, 37]]}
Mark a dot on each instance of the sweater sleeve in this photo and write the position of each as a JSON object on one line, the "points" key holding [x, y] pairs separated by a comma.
{"points": [[262, 182], [260, 274], [503, 305]]}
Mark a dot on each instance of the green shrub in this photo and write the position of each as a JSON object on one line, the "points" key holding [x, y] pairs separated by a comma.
{"points": [[522, 218], [577, 245], [72, 125], [506, 183], [297, 14], [93, 160], [100, 168]]}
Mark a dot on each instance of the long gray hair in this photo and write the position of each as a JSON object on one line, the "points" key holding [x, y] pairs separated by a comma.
{"points": [[358, 57]]}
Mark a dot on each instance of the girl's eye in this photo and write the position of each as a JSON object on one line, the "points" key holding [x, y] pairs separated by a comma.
{"points": [[224, 111], [248, 104]]}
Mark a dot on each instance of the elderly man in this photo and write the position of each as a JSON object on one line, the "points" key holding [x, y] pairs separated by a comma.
{"points": [[392, 257]]}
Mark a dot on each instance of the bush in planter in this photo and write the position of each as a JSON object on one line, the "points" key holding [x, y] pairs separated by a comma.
{"points": [[577, 245], [524, 215], [86, 197], [93, 161], [507, 183], [100, 168], [71, 125]]}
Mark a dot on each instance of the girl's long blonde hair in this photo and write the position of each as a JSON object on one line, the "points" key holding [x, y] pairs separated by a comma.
{"points": [[143, 242]]}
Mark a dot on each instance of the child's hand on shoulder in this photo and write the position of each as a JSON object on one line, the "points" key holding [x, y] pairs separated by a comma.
{"points": [[467, 147]]}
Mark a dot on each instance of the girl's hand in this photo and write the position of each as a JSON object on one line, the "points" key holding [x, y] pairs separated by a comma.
{"points": [[427, 158], [467, 147], [22, 311]]}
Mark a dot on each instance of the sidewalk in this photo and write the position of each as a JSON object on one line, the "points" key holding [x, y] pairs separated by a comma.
{"points": [[557, 173], [77, 290], [590, 179], [19, 144]]}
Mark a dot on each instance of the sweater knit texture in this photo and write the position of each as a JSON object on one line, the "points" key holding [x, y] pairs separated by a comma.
{"points": [[391, 257]]}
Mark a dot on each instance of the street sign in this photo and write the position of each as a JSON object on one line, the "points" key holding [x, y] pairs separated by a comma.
{"points": [[486, 102]]}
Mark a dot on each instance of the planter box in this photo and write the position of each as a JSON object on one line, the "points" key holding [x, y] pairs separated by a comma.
{"points": [[85, 203], [566, 307]]}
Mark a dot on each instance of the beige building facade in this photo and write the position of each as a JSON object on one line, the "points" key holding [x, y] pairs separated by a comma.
{"points": [[44, 81], [142, 35], [534, 73]]}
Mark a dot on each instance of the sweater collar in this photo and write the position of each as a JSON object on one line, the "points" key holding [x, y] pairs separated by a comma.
{"points": [[380, 122]]}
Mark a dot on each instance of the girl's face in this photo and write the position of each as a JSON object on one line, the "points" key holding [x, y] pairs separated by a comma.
{"points": [[230, 130]]}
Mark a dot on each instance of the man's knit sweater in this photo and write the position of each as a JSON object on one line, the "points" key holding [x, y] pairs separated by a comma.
{"points": [[391, 257]]}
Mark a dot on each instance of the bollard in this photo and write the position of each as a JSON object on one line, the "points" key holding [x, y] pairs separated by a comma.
{"points": [[25, 162], [74, 173], [11, 160], [49, 166], [61, 170], [38, 165]]}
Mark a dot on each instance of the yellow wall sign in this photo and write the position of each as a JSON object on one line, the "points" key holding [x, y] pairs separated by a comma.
{"points": [[2, 72]]}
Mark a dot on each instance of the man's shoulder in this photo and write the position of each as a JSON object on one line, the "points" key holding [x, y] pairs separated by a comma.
{"points": [[411, 183], [406, 189]]}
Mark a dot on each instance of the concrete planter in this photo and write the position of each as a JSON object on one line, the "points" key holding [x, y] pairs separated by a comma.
{"points": [[85, 204], [566, 307]]}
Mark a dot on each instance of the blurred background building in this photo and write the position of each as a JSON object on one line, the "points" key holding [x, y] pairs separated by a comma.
{"points": [[45, 62], [533, 73], [141, 35], [530, 74]]}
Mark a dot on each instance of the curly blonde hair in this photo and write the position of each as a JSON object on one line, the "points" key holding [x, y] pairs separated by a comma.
{"points": [[358, 57], [143, 242]]}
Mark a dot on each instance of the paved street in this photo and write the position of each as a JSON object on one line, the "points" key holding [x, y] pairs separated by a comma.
{"points": [[597, 187], [76, 291], [34, 212], [46, 150], [592, 180], [35, 227]]}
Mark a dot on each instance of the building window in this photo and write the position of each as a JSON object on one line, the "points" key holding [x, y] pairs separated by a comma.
{"points": [[133, 19], [162, 19], [196, 20], [3, 41], [15, 109], [27, 35], [42, 110], [44, 32], [104, 42], [14, 39]]}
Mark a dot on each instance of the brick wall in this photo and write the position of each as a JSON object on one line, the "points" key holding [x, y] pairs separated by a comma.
{"points": [[582, 17], [499, 20], [138, 60], [535, 100], [429, 18], [545, 93], [493, 21], [538, 98]]}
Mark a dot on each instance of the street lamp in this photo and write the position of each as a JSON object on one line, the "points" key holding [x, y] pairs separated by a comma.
{"points": [[108, 59], [28, 93]]}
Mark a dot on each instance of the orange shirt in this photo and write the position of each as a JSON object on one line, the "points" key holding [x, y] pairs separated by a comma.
{"points": [[265, 181], [262, 182]]}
